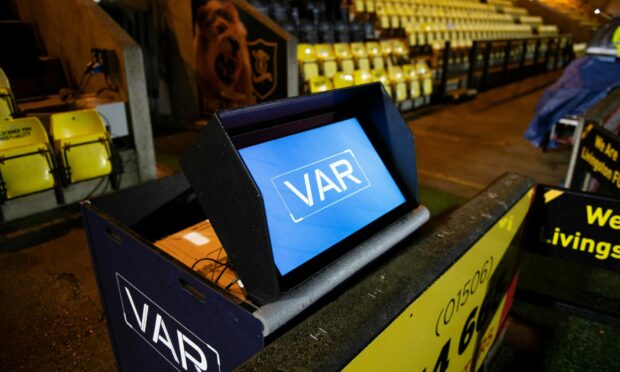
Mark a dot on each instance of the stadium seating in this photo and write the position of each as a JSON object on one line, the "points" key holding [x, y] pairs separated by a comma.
{"points": [[26, 160], [343, 80], [344, 56], [320, 84], [415, 47], [325, 66], [327, 59], [83, 146]]}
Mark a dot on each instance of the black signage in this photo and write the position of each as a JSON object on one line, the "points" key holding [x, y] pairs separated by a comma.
{"points": [[599, 155], [574, 225]]}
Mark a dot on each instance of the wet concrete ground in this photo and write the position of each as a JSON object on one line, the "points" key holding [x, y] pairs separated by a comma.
{"points": [[50, 313]]}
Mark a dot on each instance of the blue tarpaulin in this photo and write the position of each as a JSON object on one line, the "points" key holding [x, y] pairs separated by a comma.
{"points": [[585, 81]]}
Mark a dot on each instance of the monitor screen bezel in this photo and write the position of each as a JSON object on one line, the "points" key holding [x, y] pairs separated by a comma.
{"points": [[265, 132]]}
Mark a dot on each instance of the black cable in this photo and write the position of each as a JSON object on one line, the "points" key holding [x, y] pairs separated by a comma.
{"points": [[207, 259], [226, 267], [232, 283], [95, 189]]}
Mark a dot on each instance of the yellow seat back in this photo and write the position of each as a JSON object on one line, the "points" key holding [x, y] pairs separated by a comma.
{"points": [[342, 51], [386, 47], [378, 63], [347, 66], [372, 48], [76, 123], [5, 108], [330, 68], [343, 80], [310, 70], [397, 78], [320, 84], [382, 77], [26, 165], [363, 64], [396, 75], [426, 76], [83, 144], [345, 57], [22, 132], [4, 81], [362, 77], [324, 52], [306, 53], [411, 74], [379, 76], [399, 48], [358, 50], [8, 106]]}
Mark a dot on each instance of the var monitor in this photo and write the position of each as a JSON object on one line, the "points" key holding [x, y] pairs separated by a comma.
{"points": [[321, 188], [290, 186]]}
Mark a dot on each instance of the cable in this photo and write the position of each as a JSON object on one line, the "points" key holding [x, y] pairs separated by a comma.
{"points": [[207, 259], [232, 283], [221, 273], [95, 188]]}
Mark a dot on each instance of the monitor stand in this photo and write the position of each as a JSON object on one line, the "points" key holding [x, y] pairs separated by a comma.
{"points": [[290, 304]]}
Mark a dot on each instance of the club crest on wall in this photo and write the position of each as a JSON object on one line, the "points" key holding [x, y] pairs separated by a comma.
{"points": [[263, 56]]}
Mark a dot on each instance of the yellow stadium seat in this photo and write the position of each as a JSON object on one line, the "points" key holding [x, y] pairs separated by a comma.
{"points": [[426, 76], [374, 52], [8, 106], [320, 84], [4, 80], [399, 48], [5, 106], [344, 57], [411, 74], [386, 48], [359, 52], [381, 77], [83, 146], [26, 159], [327, 58], [362, 77], [397, 80], [343, 80], [306, 55]]}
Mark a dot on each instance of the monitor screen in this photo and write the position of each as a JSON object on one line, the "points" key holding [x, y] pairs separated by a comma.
{"points": [[319, 187]]}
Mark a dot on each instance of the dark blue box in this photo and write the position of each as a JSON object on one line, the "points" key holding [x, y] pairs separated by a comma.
{"points": [[157, 307]]}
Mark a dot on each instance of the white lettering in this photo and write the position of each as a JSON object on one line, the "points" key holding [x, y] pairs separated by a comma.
{"points": [[160, 325], [305, 198], [145, 311], [199, 365], [320, 176], [348, 172]]}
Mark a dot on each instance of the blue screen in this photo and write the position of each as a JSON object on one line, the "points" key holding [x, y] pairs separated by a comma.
{"points": [[319, 187]]}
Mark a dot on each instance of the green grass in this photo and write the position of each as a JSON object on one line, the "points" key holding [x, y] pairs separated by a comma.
{"points": [[439, 202]]}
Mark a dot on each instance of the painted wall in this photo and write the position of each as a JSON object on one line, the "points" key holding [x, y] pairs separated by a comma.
{"points": [[180, 72], [70, 31]]}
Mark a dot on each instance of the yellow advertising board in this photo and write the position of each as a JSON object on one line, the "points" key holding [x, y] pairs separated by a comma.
{"points": [[452, 325]]}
